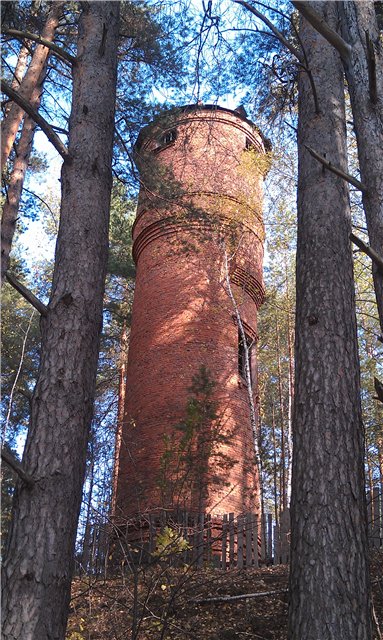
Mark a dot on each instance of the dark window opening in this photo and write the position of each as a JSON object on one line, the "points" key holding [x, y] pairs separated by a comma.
{"points": [[168, 138], [242, 356]]}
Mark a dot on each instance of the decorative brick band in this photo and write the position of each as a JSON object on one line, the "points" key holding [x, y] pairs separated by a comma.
{"points": [[164, 227], [188, 205], [171, 226], [253, 288], [248, 329]]}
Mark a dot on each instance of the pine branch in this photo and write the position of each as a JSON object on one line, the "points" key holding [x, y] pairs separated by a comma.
{"points": [[331, 167], [343, 48], [272, 28], [26, 35], [16, 465], [369, 251], [27, 294], [43, 124], [25, 393]]}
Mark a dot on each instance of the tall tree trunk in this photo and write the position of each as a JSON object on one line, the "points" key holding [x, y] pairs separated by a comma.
{"points": [[16, 183], [329, 583], [282, 417], [32, 78], [290, 345], [39, 564], [277, 508], [120, 412], [364, 73]]}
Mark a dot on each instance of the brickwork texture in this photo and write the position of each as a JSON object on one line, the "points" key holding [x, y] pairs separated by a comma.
{"points": [[201, 173]]}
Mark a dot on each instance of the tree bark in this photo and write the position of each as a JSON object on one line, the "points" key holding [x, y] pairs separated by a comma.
{"points": [[21, 66], [329, 583], [283, 495], [16, 183], [120, 412], [364, 73], [39, 561], [31, 80]]}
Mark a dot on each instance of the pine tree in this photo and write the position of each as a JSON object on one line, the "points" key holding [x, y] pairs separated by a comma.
{"points": [[39, 562], [328, 523]]}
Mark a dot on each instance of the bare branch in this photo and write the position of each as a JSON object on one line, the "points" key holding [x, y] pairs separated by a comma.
{"points": [[43, 124], [379, 389], [369, 251], [242, 596], [19, 369], [342, 174], [27, 294], [322, 27], [25, 393], [16, 465], [22, 35], [272, 28]]}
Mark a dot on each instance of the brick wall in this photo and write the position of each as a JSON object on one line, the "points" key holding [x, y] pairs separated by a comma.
{"points": [[196, 189]]}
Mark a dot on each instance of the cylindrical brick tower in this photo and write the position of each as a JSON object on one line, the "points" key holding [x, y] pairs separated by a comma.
{"points": [[199, 217]]}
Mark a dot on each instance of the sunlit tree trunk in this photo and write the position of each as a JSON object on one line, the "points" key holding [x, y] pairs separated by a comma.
{"points": [[29, 82], [275, 468], [364, 73], [16, 183], [120, 412], [282, 418], [329, 583], [40, 557], [290, 347]]}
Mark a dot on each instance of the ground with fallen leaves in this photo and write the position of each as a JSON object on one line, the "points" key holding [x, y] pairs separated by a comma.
{"points": [[171, 603]]}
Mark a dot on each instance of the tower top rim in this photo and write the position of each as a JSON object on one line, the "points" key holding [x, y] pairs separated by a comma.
{"points": [[191, 108]]}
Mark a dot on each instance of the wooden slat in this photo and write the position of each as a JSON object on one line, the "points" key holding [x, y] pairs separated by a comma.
{"points": [[209, 541], [276, 545], [224, 542], [185, 535], [263, 537], [152, 533], [200, 532], [375, 533], [285, 536], [269, 537], [370, 515], [255, 538], [248, 540], [231, 540], [240, 542]]}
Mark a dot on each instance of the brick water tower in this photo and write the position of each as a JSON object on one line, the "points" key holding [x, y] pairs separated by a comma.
{"points": [[199, 219]]}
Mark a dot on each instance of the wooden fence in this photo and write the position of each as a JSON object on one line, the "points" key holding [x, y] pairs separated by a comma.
{"points": [[223, 541], [375, 518]]}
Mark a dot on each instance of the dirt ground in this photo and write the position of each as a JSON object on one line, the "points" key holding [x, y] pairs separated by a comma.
{"points": [[171, 604]]}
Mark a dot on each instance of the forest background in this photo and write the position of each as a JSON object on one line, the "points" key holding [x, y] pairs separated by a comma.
{"points": [[173, 54]]}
